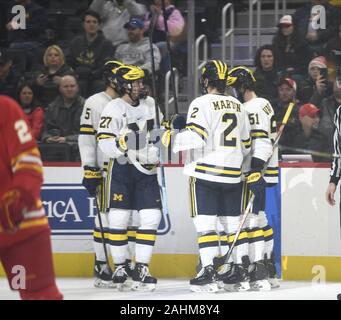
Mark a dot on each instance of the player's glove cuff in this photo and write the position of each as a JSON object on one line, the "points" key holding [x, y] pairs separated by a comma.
{"points": [[92, 172], [253, 177]]}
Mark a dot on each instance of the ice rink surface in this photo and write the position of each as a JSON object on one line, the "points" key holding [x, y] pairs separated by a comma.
{"points": [[169, 289]]}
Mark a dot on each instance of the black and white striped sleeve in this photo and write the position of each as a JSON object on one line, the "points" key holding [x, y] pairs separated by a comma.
{"points": [[335, 172]]}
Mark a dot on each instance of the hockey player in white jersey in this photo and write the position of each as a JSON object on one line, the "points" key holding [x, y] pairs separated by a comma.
{"points": [[263, 133], [95, 163], [216, 137], [124, 136]]}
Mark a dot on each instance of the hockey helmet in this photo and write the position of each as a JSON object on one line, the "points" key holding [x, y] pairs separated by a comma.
{"points": [[125, 76], [241, 78], [214, 73], [109, 70]]}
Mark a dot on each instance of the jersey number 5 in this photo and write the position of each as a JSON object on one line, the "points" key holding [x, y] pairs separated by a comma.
{"points": [[23, 132], [227, 139]]}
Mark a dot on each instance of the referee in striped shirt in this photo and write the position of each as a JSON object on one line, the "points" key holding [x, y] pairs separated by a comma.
{"points": [[335, 172]]}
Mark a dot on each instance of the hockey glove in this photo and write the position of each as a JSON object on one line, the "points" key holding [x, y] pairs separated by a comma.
{"points": [[92, 179], [14, 204], [133, 140], [179, 122]]}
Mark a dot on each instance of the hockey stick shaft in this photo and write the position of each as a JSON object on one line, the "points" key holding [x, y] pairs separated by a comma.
{"points": [[102, 231], [176, 107], [221, 260], [157, 115]]}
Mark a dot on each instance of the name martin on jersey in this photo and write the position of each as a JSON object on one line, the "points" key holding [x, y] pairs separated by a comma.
{"points": [[226, 104]]}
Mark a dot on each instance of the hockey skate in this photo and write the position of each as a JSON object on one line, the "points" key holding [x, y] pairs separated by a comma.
{"points": [[272, 274], [258, 277], [103, 275], [223, 273], [142, 279], [205, 281], [119, 277], [129, 269], [237, 280]]}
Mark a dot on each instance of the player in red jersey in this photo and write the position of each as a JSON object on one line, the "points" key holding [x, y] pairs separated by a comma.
{"points": [[25, 243]]}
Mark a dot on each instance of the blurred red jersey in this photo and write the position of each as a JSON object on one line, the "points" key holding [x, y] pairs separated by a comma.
{"points": [[20, 163]]}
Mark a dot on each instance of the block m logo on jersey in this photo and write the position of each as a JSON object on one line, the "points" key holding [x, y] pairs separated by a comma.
{"points": [[118, 197]]}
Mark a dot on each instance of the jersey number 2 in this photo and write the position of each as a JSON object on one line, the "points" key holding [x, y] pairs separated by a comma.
{"points": [[227, 139], [23, 132]]}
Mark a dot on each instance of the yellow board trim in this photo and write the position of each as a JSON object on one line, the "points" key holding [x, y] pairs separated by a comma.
{"points": [[309, 268], [183, 266], [161, 266]]}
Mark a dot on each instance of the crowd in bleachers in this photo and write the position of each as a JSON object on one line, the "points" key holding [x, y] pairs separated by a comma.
{"points": [[56, 62], [303, 64]]}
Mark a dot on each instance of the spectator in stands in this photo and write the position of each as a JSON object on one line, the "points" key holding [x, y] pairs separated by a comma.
{"points": [[287, 89], [316, 86], [88, 54], [8, 78], [137, 50], [176, 33], [333, 52], [48, 76], [62, 122], [114, 15], [291, 50], [31, 38], [328, 108], [306, 135], [27, 99], [305, 20], [266, 73]]}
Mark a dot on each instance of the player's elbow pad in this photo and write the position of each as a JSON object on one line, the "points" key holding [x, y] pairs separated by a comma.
{"points": [[109, 147], [187, 140]]}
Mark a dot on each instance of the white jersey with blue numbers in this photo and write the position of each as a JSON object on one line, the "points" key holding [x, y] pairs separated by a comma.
{"points": [[118, 118], [263, 134], [91, 154], [217, 137]]}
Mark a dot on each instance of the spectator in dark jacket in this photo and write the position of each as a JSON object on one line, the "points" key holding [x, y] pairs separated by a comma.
{"points": [[62, 119], [306, 135], [333, 52], [88, 54], [27, 99], [291, 50], [266, 73], [305, 21], [317, 85], [327, 110], [31, 38], [48, 76], [9, 79]]}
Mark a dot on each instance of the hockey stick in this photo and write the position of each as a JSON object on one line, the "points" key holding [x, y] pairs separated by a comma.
{"points": [[219, 261], [102, 231], [157, 115], [176, 107]]}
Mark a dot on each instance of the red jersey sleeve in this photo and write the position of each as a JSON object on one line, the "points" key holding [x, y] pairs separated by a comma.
{"points": [[22, 152]]}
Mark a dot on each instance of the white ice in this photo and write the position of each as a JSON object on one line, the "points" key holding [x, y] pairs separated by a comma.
{"points": [[175, 289]]}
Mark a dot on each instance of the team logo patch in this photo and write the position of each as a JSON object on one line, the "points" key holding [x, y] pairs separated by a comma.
{"points": [[118, 197]]}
